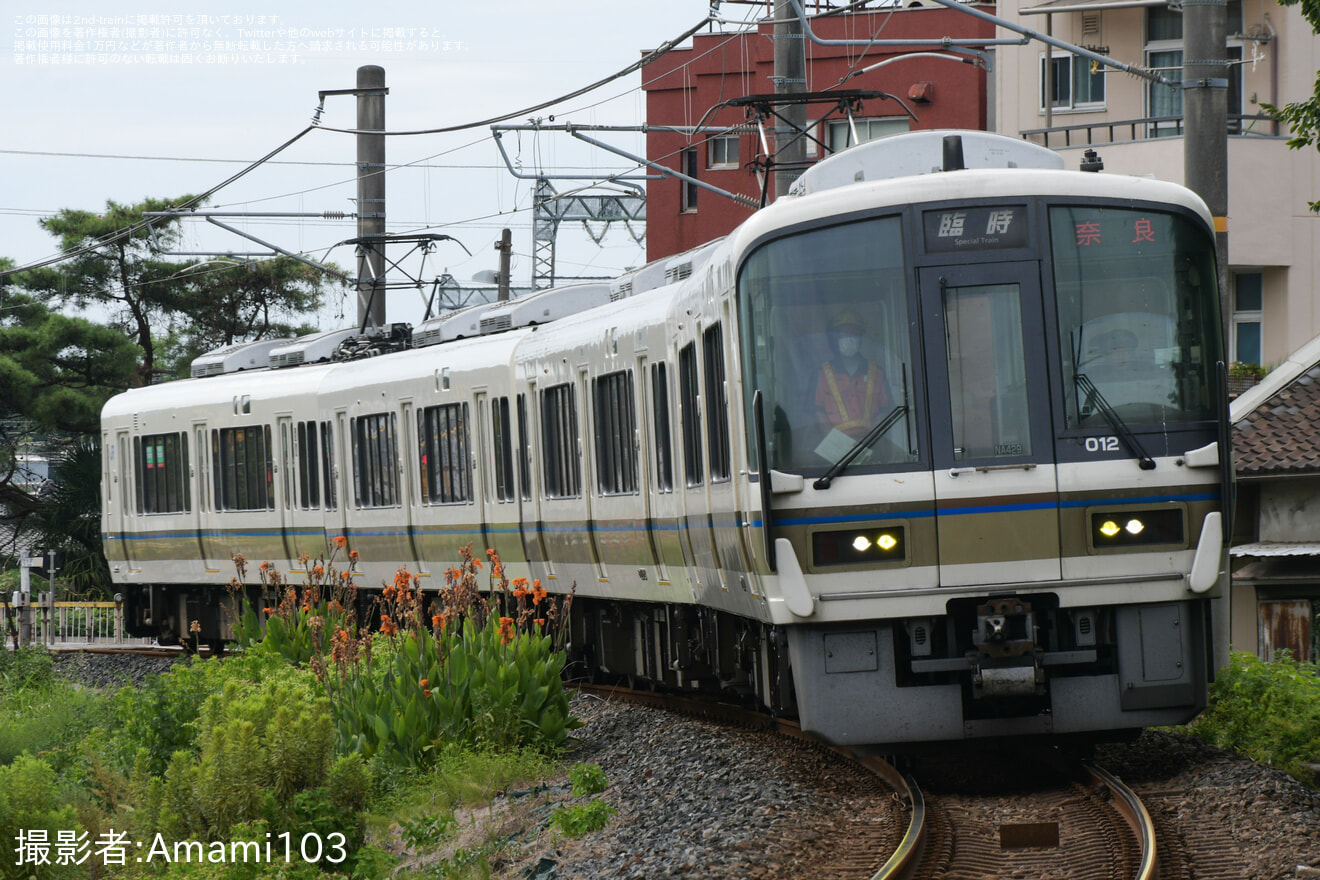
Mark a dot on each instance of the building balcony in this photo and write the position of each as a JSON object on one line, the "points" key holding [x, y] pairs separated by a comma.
{"points": [[1120, 131]]}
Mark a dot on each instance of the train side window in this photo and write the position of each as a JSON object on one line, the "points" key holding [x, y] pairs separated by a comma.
{"points": [[559, 436], [524, 450], [242, 465], [616, 432], [502, 434], [689, 400], [160, 464], [717, 404], [308, 456], [375, 458], [328, 465], [442, 433], [664, 450]]}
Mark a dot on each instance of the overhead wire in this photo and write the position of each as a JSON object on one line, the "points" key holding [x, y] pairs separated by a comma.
{"points": [[129, 231], [661, 50]]}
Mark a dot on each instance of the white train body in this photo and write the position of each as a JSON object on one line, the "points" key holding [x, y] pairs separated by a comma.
{"points": [[958, 578]]}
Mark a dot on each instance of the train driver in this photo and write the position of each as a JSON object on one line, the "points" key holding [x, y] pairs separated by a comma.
{"points": [[850, 391]]}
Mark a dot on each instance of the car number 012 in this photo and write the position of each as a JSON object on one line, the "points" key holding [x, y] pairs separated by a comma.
{"points": [[1102, 444]]}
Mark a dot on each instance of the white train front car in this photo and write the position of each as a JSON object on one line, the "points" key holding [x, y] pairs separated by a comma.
{"points": [[921, 453]]}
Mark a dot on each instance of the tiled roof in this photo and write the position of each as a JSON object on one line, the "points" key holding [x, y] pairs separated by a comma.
{"points": [[1281, 434]]}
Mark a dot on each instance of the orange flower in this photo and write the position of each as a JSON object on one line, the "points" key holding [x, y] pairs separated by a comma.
{"points": [[387, 627], [341, 541], [520, 592], [506, 630], [538, 594], [423, 683], [352, 556], [426, 692], [540, 621]]}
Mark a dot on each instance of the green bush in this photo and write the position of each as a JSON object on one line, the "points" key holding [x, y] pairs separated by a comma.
{"points": [[1269, 712], [31, 800], [587, 779], [259, 746], [49, 720], [582, 819], [28, 668]]}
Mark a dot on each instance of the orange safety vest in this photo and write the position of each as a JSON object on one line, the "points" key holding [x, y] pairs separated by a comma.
{"points": [[844, 390]]}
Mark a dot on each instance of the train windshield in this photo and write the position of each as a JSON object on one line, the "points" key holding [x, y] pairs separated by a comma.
{"points": [[826, 341], [1138, 316]]}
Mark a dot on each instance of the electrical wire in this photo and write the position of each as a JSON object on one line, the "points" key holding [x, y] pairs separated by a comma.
{"points": [[130, 231], [658, 52]]}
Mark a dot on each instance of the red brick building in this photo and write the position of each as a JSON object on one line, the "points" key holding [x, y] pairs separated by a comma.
{"points": [[682, 86]]}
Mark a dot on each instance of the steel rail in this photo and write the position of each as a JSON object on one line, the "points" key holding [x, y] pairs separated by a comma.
{"points": [[1136, 815], [909, 847]]}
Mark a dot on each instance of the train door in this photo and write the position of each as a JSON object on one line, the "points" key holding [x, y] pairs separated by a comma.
{"points": [[996, 490], [529, 506], [409, 485], [122, 476], [202, 504], [656, 457], [340, 467], [696, 498], [481, 473], [287, 472]]}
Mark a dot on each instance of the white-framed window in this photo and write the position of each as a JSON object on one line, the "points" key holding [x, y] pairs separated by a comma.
{"points": [[722, 151], [1164, 54], [1078, 83], [839, 134], [1248, 309]]}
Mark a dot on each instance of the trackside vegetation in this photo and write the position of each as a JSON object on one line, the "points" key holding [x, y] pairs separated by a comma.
{"points": [[327, 746], [1267, 711]]}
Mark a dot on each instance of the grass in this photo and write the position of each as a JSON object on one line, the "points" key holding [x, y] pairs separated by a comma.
{"points": [[437, 812]]}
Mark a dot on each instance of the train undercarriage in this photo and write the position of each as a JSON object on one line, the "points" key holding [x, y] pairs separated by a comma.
{"points": [[1003, 665]]}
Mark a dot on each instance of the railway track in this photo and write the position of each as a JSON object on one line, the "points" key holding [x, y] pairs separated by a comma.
{"points": [[1055, 821], [1060, 819]]}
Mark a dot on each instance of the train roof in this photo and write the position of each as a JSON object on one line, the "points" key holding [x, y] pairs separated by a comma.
{"points": [[185, 394], [469, 353]]}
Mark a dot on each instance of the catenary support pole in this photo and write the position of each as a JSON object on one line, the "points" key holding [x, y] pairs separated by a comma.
{"points": [[790, 77], [1205, 120], [371, 94]]}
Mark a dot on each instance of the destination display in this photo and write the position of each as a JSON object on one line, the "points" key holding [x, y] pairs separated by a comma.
{"points": [[988, 227]]}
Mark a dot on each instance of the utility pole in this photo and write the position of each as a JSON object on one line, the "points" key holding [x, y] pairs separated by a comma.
{"points": [[371, 94], [1205, 122], [505, 247], [790, 77]]}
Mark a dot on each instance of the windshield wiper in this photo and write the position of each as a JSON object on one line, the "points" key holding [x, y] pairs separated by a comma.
{"points": [[1093, 395], [876, 432]]}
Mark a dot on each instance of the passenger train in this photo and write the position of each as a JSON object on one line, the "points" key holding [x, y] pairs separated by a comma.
{"points": [[931, 449]]}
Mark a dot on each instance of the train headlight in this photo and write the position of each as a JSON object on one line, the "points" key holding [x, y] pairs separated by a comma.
{"points": [[858, 546], [1138, 528]]}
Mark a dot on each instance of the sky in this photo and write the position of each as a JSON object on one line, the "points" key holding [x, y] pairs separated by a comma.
{"points": [[121, 100]]}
